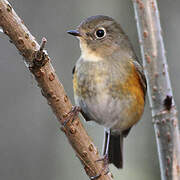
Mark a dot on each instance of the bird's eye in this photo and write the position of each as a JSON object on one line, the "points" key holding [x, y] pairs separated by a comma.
{"points": [[100, 33]]}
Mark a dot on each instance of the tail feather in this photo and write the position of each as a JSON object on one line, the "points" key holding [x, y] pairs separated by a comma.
{"points": [[115, 149], [115, 153]]}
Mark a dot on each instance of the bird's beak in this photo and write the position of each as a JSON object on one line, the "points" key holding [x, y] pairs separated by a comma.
{"points": [[74, 33]]}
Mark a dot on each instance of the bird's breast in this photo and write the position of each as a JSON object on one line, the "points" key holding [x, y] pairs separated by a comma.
{"points": [[88, 83], [110, 96]]}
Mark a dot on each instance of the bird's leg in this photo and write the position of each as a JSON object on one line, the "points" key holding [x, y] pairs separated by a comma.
{"points": [[104, 158], [72, 114], [107, 142]]}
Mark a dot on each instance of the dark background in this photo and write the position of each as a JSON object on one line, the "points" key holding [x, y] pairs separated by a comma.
{"points": [[31, 145]]}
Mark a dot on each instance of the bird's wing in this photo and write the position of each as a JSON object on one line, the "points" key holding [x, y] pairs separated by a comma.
{"points": [[141, 75], [73, 70]]}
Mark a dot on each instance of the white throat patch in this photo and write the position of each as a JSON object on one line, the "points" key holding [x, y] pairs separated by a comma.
{"points": [[87, 54]]}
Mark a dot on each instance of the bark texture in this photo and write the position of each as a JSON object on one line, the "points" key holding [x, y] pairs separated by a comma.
{"points": [[164, 112], [40, 65]]}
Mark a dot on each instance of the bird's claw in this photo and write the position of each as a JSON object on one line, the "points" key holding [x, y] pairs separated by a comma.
{"points": [[95, 177], [72, 114], [105, 168]]}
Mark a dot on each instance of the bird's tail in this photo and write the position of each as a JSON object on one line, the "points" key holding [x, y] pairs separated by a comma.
{"points": [[115, 149]]}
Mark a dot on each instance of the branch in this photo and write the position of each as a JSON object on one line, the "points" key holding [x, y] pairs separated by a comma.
{"points": [[160, 94], [39, 64]]}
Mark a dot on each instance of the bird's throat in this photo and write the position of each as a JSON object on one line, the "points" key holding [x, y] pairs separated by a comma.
{"points": [[89, 55]]}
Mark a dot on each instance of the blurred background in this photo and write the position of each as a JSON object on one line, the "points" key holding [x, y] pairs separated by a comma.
{"points": [[32, 147]]}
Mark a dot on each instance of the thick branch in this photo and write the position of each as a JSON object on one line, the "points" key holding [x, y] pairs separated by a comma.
{"points": [[160, 94], [51, 88]]}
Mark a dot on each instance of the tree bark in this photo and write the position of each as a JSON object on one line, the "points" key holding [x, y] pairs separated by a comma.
{"points": [[163, 108], [39, 64]]}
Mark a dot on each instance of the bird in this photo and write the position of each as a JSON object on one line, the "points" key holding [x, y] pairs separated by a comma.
{"points": [[108, 81]]}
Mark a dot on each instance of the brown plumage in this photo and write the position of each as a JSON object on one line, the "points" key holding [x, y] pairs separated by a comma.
{"points": [[109, 83]]}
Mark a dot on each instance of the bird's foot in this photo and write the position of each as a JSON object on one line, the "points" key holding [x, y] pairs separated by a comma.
{"points": [[72, 114], [105, 169]]}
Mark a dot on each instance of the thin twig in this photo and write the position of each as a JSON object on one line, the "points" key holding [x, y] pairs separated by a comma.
{"points": [[51, 88], [160, 94], [43, 42]]}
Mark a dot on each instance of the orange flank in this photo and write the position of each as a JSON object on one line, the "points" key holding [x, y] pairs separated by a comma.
{"points": [[134, 87]]}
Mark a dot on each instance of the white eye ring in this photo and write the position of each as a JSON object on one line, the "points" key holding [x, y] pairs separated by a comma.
{"points": [[100, 33]]}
